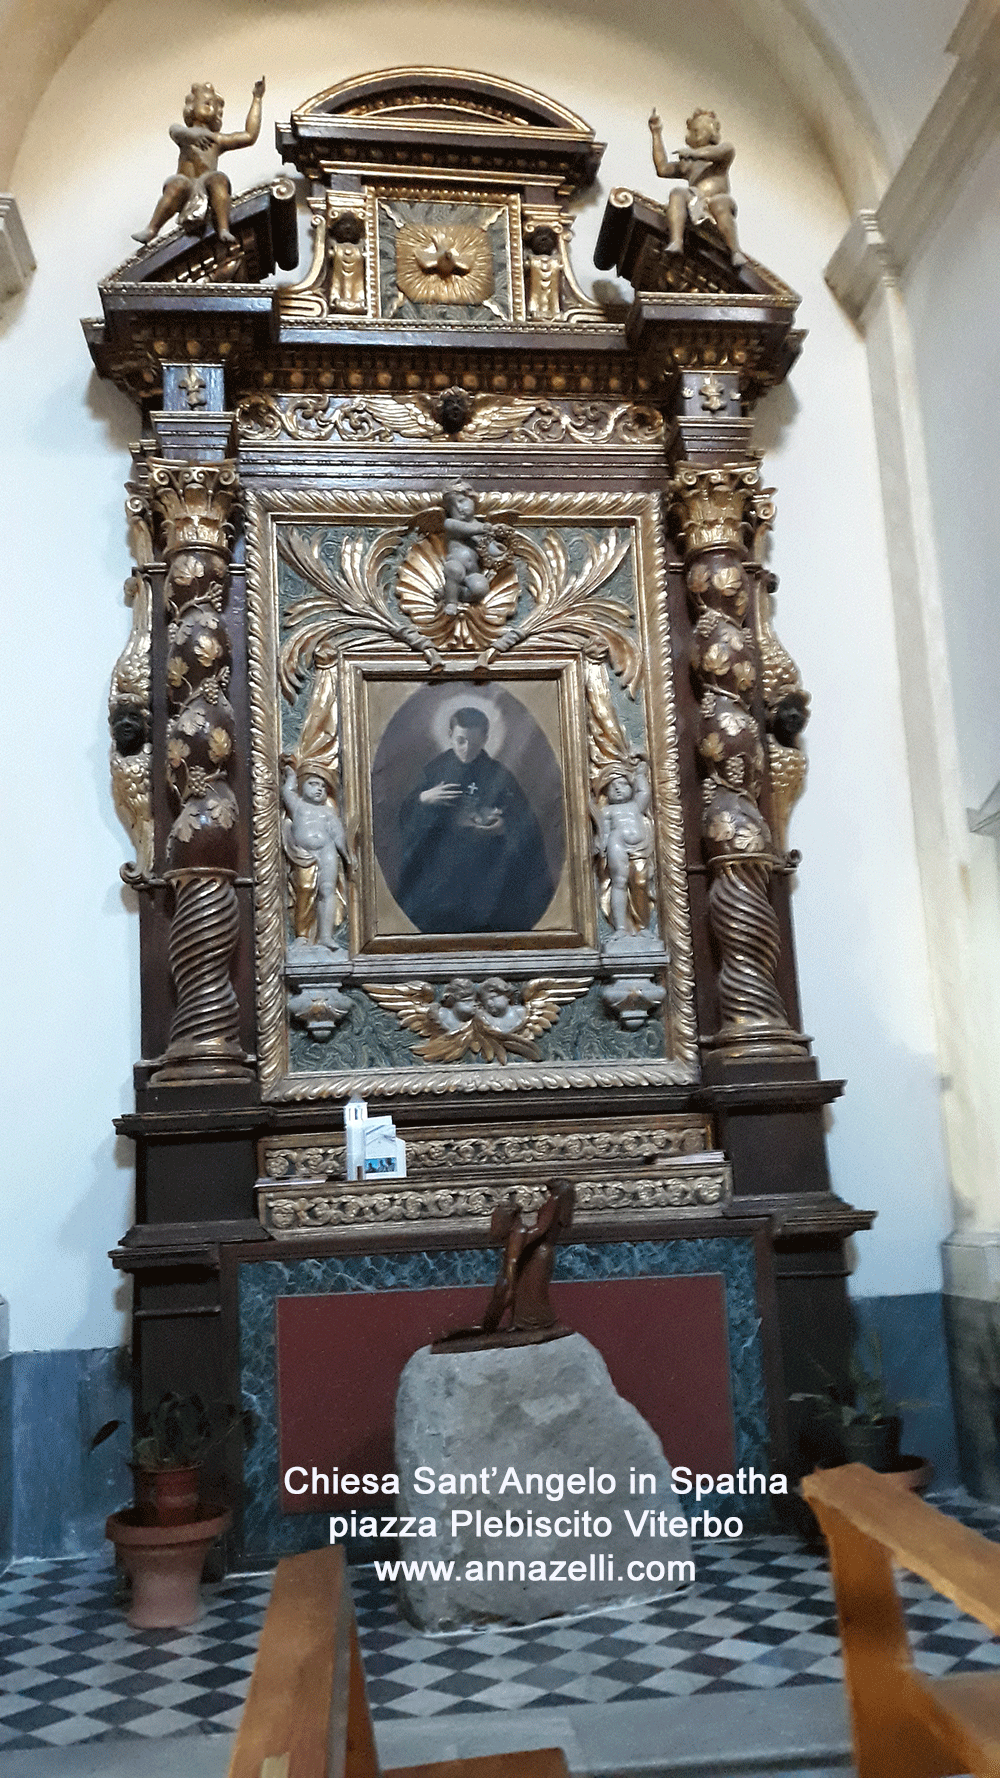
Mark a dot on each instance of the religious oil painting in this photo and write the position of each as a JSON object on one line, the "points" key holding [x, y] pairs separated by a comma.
{"points": [[472, 811]]}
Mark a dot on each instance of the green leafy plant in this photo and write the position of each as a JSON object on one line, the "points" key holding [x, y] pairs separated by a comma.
{"points": [[870, 1403], [178, 1433]]}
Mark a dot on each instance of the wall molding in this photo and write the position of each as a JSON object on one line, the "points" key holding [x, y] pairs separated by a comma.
{"points": [[17, 262], [964, 120]]}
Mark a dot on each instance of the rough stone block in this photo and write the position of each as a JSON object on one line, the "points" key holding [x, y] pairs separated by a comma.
{"points": [[549, 1416]]}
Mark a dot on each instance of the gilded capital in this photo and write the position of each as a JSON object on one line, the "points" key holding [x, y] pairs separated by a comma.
{"points": [[714, 508], [193, 502]]}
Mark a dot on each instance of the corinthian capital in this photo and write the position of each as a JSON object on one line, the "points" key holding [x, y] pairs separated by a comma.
{"points": [[715, 508], [193, 502]]}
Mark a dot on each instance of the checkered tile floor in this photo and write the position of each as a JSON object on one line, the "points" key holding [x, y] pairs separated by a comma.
{"points": [[759, 1616]]}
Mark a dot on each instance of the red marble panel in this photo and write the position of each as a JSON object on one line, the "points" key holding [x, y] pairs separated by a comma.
{"points": [[340, 1356]]}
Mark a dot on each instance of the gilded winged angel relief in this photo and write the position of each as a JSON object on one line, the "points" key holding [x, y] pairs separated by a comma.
{"points": [[493, 1019]]}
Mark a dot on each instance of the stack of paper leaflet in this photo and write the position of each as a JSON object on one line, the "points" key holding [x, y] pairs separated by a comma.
{"points": [[373, 1148]]}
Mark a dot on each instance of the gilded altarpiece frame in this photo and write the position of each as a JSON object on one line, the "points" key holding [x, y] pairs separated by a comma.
{"points": [[341, 598], [434, 477]]}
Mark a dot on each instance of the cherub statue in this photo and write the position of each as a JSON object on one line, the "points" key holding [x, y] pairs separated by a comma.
{"points": [[472, 548], [346, 258], [316, 846], [704, 164], [543, 273], [624, 841], [457, 1003], [501, 1008], [198, 188]]}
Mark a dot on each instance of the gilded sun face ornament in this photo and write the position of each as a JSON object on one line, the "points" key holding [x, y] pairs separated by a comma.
{"points": [[444, 262]]}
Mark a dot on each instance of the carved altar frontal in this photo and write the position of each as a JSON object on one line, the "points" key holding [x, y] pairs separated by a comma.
{"points": [[453, 734]]}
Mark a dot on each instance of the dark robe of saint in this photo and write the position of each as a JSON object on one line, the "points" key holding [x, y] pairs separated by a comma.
{"points": [[472, 855]]}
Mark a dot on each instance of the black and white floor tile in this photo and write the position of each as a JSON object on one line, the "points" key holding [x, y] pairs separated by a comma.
{"points": [[758, 1617]]}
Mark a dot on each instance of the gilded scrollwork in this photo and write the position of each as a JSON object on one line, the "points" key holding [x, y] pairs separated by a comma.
{"points": [[390, 419], [354, 603], [305, 1210], [493, 1018], [675, 1134], [565, 610], [457, 588]]}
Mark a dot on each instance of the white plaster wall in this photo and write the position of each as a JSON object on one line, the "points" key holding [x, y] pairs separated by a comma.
{"points": [[952, 297], [91, 163], [896, 50]]}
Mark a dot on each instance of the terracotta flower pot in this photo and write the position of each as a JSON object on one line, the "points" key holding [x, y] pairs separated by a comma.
{"points": [[167, 1496], [165, 1564], [915, 1473]]}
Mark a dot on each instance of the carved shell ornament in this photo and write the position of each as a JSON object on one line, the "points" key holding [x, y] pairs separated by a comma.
{"points": [[420, 589], [359, 596]]}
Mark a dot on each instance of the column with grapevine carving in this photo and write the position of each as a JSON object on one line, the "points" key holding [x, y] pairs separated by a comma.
{"points": [[716, 512], [193, 503]]}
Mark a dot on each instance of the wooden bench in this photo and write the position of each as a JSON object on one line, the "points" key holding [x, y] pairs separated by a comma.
{"points": [[306, 1714], [906, 1725]]}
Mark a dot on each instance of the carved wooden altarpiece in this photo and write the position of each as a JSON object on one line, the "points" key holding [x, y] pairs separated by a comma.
{"points": [[453, 734]]}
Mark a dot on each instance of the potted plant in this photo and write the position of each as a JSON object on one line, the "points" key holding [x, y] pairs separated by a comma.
{"points": [[867, 1427], [163, 1540]]}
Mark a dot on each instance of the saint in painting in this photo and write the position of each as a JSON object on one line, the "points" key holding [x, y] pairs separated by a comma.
{"points": [[470, 854]]}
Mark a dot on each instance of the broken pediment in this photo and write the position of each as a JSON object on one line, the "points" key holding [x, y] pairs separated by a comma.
{"points": [[634, 240], [265, 226]]}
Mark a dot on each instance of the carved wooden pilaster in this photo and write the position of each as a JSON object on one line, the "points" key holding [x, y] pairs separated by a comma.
{"points": [[129, 700], [716, 511], [193, 503]]}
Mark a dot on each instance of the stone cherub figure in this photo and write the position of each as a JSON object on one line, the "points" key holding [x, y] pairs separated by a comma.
{"points": [[623, 840], [198, 189], [317, 850], [704, 164], [522, 1287], [472, 547]]}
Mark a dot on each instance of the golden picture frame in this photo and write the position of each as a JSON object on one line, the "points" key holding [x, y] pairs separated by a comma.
{"points": [[531, 889], [554, 683]]}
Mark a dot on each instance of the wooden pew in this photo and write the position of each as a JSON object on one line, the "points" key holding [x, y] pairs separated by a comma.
{"points": [[906, 1725], [307, 1716]]}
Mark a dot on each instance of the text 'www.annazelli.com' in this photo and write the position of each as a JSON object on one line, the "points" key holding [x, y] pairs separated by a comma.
{"points": [[599, 1567]]}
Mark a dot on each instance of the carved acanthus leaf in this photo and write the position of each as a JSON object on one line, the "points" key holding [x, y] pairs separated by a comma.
{"points": [[352, 605], [566, 609]]}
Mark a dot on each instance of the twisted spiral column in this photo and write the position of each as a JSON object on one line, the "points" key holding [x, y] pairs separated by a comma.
{"points": [[193, 502], [716, 512]]}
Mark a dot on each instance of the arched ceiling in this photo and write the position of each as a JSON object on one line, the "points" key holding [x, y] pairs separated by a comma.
{"points": [[828, 52]]}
